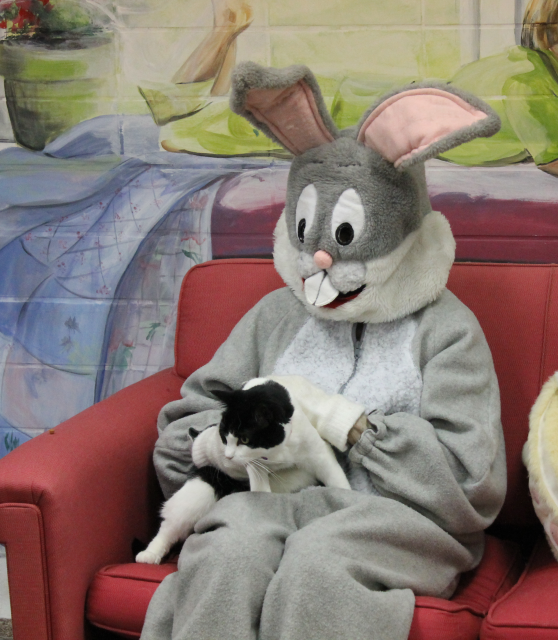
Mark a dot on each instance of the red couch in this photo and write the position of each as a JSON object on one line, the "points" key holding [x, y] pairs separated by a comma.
{"points": [[75, 501]]}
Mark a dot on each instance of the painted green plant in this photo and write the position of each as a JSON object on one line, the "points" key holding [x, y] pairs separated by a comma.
{"points": [[153, 326], [11, 442], [122, 357], [196, 257], [23, 16], [39, 18]]}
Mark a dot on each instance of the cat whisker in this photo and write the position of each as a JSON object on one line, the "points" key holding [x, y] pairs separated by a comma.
{"points": [[265, 468], [255, 468], [260, 469], [269, 471], [260, 465]]}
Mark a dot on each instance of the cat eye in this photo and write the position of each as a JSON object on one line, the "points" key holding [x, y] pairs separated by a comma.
{"points": [[305, 210], [244, 440], [347, 219]]}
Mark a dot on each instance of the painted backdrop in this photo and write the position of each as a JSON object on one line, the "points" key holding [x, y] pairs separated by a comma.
{"points": [[122, 165]]}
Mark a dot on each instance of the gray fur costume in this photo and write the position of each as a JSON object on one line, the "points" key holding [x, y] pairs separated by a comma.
{"points": [[429, 472]]}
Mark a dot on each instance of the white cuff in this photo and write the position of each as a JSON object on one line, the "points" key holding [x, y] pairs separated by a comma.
{"points": [[201, 448], [340, 418]]}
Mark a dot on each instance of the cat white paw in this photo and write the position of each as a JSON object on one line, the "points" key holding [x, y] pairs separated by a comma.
{"points": [[148, 557]]}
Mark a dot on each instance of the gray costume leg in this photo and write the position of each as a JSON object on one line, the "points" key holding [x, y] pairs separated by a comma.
{"points": [[223, 571], [354, 573], [322, 564]]}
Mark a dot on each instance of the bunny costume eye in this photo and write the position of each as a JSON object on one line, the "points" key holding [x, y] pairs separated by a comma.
{"points": [[347, 220], [306, 210]]}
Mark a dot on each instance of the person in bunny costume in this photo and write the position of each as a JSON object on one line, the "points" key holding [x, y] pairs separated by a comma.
{"points": [[365, 317]]}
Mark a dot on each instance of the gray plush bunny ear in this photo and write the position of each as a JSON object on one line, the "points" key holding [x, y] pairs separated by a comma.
{"points": [[286, 104], [423, 120]]}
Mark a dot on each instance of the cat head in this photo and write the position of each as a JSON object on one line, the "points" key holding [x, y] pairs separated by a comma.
{"points": [[357, 239], [255, 419]]}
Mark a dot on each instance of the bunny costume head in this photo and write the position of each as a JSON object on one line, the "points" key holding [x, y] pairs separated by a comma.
{"points": [[358, 240]]}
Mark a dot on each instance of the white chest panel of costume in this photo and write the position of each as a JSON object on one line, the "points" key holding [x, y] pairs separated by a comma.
{"points": [[385, 378]]}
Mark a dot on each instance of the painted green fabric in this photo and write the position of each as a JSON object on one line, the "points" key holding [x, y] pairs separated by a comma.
{"points": [[170, 102], [194, 122], [216, 130], [354, 96], [521, 85], [210, 127]]}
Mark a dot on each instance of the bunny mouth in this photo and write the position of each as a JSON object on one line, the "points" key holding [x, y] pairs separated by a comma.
{"points": [[320, 292], [342, 298]]}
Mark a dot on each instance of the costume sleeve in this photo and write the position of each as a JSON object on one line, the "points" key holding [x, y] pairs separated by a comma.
{"points": [[333, 416], [448, 463], [237, 360]]}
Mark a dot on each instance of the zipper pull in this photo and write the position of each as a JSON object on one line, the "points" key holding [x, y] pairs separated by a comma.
{"points": [[358, 337]]}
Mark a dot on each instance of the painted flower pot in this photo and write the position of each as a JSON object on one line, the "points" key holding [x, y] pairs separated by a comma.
{"points": [[51, 86]]}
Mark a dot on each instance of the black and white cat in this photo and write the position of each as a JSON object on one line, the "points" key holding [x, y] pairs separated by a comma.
{"points": [[265, 442]]}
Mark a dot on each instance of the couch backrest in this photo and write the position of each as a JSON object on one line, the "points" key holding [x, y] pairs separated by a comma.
{"points": [[213, 298], [517, 307]]}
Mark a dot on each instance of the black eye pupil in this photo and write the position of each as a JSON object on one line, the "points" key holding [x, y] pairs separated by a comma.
{"points": [[300, 230], [244, 440], [344, 234]]}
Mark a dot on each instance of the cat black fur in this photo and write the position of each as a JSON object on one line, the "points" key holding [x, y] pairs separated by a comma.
{"points": [[256, 415], [259, 431], [222, 484]]}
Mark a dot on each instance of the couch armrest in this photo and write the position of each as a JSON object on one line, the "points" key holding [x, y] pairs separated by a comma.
{"points": [[72, 500]]}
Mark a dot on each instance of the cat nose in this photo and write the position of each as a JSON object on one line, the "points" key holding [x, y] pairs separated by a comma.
{"points": [[322, 259], [229, 454]]}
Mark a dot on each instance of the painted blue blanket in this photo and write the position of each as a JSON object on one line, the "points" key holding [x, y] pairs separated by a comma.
{"points": [[96, 234]]}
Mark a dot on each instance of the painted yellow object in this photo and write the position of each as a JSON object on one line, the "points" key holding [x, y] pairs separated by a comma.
{"points": [[540, 456]]}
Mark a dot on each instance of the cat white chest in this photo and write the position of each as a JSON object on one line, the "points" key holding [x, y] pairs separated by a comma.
{"points": [[381, 375]]}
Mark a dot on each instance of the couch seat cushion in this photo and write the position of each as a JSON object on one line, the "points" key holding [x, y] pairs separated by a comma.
{"points": [[529, 609], [119, 596]]}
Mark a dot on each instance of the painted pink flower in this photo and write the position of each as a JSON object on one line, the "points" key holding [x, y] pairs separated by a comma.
{"points": [[29, 13]]}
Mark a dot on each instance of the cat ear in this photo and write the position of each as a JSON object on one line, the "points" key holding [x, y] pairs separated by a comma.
{"points": [[423, 121], [223, 395], [263, 416], [286, 104]]}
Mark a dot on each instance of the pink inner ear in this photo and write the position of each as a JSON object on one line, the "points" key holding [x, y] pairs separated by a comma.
{"points": [[291, 114], [412, 120]]}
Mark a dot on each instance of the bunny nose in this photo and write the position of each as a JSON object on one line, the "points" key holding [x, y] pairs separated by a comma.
{"points": [[322, 259]]}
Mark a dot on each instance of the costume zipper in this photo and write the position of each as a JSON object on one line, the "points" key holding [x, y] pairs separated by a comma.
{"points": [[358, 338]]}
